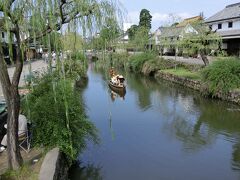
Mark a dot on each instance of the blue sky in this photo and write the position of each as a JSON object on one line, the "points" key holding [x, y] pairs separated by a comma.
{"points": [[160, 9]]}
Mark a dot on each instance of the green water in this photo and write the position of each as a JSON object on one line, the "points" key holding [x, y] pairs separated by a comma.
{"points": [[158, 131]]}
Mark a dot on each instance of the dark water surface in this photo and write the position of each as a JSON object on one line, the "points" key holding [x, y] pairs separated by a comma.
{"points": [[159, 131]]}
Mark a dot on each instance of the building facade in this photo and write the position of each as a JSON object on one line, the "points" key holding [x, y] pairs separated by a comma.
{"points": [[167, 38], [227, 24]]}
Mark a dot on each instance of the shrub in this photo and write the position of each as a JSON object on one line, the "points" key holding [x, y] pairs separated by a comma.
{"points": [[78, 56], [75, 69], [222, 75], [136, 61], [153, 65], [58, 115], [119, 60]]}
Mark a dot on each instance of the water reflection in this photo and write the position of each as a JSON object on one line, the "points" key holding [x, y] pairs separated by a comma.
{"points": [[117, 95], [162, 131], [143, 89], [87, 172], [198, 122], [195, 121]]}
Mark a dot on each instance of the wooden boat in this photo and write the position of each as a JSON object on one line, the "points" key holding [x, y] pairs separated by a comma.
{"points": [[117, 87]]}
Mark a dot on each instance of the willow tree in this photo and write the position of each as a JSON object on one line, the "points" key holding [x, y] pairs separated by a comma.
{"points": [[27, 21], [201, 42]]}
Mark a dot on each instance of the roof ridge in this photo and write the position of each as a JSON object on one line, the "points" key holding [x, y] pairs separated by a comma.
{"points": [[233, 5]]}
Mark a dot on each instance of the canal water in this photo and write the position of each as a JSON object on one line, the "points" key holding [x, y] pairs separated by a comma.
{"points": [[159, 130]]}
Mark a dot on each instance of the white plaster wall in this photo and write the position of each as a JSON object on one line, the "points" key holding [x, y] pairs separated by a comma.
{"points": [[236, 25]]}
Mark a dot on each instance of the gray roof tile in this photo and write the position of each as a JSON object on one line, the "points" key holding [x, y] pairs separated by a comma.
{"points": [[171, 31], [230, 12]]}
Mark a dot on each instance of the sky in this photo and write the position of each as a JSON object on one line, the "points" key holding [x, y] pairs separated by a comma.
{"points": [[160, 9]]}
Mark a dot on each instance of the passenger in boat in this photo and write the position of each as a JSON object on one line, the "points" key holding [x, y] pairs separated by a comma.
{"points": [[114, 80], [112, 72], [118, 80]]}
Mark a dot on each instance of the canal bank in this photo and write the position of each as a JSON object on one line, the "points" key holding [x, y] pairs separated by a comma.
{"points": [[231, 96], [187, 74]]}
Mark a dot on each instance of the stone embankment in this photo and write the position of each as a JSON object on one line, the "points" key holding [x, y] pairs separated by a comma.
{"points": [[232, 96], [54, 166], [193, 84]]}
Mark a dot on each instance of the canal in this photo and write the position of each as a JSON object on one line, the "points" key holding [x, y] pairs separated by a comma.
{"points": [[159, 130]]}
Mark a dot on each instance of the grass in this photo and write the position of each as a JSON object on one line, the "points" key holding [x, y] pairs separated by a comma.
{"points": [[183, 73], [26, 172]]}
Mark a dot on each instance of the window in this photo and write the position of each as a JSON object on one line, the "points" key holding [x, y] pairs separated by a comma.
{"points": [[3, 35], [219, 26], [230, 24]]}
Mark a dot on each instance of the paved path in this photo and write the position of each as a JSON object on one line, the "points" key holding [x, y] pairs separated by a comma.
{"points": [[39, 65], [187, 60]]}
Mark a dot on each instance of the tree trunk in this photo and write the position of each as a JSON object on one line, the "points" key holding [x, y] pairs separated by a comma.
{"points": [[14, 157], [205, 59], [10, 91]]}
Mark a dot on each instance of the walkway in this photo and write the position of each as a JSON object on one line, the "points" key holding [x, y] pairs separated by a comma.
{"points": [[39, 66]]}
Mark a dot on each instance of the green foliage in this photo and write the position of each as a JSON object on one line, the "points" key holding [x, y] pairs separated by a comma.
{"points": [[145, 19], [140, 39], [136, 61], [182, 72], [110, 31], [132, 31], [52, 41], [75, 69], [72, 41], [119, 60], [140, 32], [203, 41], [58, 115], [78, 55], [222, 75], [107, 36], [153, 65]]}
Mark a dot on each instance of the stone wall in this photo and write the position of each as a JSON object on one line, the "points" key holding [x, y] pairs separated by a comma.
{"points": [[232, 96], [193, 84], [54, 166]]}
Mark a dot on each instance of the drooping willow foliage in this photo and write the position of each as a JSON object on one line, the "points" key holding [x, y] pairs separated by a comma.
{"points": [[42, 25]]}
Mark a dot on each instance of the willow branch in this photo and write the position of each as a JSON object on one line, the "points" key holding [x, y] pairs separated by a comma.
{"points": [[59, 25]]}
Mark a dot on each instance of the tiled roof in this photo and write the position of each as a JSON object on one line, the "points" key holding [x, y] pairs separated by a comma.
{"points": [[230, 12], [191, 20], [171, 31]]}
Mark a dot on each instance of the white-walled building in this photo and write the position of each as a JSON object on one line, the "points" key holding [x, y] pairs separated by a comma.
{"points": [[124, 38], [227, 24], [166, 38]]}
